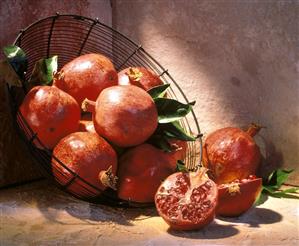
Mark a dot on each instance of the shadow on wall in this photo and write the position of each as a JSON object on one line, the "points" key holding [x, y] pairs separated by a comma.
{"points": [[239, 58]]}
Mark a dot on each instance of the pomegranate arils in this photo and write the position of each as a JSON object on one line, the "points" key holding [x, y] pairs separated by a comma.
{"points": [[174, 199]]}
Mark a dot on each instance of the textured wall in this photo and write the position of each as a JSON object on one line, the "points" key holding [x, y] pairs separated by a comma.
{"points": [[15, 162], [237, 59]]}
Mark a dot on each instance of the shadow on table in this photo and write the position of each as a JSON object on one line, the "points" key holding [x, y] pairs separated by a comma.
{"points": [[212, 231], [255, 217], [56, 205]]}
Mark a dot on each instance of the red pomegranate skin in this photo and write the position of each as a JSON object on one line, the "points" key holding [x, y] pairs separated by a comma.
{"points": [[139, 76], [141, 171], [86, 154], [230, 153], [125, 115], [86, 76], [178, 151], [51, 113], [237, 197]]}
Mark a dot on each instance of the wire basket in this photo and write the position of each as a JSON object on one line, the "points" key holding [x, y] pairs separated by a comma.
{"points": [[69, 36]]}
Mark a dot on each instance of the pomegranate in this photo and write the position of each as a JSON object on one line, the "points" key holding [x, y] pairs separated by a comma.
{"points": [[231, 153], [237, 197], [51, 113], [86, 76], [125, 115], [89, 156], [139, 76], [141, 171], [187, 200]]}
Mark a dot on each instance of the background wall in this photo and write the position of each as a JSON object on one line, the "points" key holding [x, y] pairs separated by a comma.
{"points": [[237, 59], [15, 162]]}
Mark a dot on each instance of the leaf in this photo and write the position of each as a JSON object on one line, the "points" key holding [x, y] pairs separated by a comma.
{"points": [[277, 178], [158, 91], [160, 142], [8, 74], [261, 199], [174, 130], [43, 71], [16, 58], [170, 110], [181, 167]]}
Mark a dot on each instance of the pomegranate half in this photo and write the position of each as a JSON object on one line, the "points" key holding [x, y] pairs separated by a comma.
{"points": [[237, 197], [187, 200]]}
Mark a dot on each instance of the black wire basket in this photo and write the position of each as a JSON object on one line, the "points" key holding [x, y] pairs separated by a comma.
{"points": [[69, 36]]}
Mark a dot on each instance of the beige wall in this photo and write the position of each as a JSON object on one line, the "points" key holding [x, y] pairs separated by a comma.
{"points": [[237, 59]]}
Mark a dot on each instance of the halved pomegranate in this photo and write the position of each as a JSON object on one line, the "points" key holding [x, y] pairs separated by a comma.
{"points": [[187, 200], [238, 196]]}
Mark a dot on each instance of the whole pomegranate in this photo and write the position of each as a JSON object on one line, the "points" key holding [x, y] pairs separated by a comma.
{"points": [[141, 171], [125, 115], [230, 153], [187, 200], [51, 113], [139, 76], [237, 197], [86, 76], [89, 156]]}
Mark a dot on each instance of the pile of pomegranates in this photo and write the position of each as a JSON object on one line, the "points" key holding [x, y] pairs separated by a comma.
{"points": [[102, 127]]}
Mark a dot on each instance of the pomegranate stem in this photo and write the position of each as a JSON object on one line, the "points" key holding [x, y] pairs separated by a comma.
{"points": [[254, 129], [88, 106]]}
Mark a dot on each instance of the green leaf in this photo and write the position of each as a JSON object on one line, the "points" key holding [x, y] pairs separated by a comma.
{"points": [[158, 91], [170, 110], [16, 58], [43, 71], [174, 130], [277, 178], [181, 167], [8, 74], [273, 183], [161, 142], [261, 199]]}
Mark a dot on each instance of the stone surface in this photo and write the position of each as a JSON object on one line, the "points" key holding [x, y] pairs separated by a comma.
{"points": [[40, 214], [237, 59]]}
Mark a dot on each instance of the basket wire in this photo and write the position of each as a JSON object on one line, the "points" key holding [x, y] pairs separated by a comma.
{"points": [[69, 36]]}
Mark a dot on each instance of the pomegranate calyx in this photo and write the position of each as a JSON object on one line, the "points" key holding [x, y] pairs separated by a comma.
{"points": [[233, 189], [108, 179], [253, 129], [134, 74], [88, 105]]}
